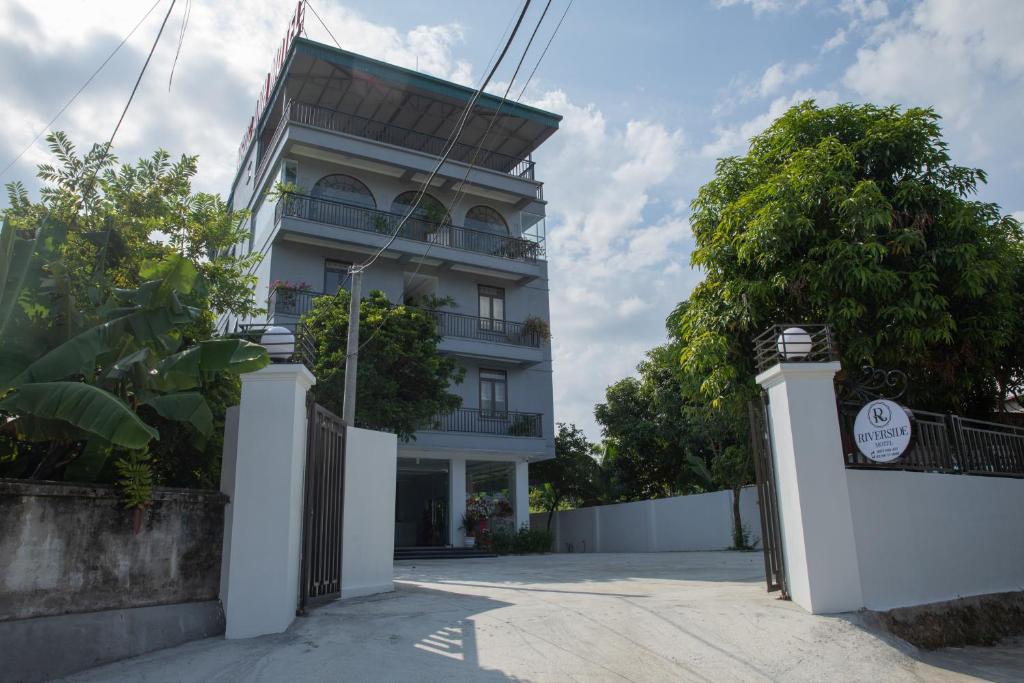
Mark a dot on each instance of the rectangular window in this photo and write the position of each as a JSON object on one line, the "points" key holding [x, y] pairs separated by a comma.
{"points": [[492, 308], [290, 172], [335, 273], [493, 393]]}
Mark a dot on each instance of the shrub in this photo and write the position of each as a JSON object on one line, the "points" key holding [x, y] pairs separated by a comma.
{"points": [[521, 542]]}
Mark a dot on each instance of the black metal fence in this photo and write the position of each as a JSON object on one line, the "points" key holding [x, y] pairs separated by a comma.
{"points": [[794, 343], [945, 443], [285, 342], [484, 329], [498, 423], [767, 495], [324, 507], [417, 229], [291, 301]]}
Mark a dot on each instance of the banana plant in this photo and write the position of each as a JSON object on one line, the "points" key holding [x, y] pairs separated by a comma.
{"points": [[75, 369]]}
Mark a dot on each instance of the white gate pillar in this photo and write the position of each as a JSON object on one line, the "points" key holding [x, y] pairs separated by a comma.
{"points": [[814, 503], [264, 478]]}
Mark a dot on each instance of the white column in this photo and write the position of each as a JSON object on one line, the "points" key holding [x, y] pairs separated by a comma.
{"points": [[263, 541], [457, 490], [814, 501], [522, 494]]}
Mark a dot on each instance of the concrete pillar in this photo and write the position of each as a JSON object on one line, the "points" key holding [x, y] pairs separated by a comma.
{"points": [[814, 502], [264, 523], [368, 523], [521, 503], [457, 489]]}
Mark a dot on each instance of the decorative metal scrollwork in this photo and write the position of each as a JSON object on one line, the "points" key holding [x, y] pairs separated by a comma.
{"points": [[874, 383]]}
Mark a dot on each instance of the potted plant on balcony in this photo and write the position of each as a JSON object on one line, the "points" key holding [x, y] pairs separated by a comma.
{"points": [[535, 327], [286, 295]]}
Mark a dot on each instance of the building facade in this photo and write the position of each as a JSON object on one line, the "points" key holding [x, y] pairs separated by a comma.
{"points": [[353, 140]]}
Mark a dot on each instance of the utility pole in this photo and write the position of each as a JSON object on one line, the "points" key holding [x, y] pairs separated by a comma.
{"points": [[348, 411]]}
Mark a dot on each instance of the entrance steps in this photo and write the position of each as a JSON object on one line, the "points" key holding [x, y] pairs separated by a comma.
{"points": [[439, 553]]}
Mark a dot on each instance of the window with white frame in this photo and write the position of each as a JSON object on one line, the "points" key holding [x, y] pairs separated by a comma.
{"points": [[492, 308]]}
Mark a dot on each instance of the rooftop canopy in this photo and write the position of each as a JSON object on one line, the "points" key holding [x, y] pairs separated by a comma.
{"points": [[340, 81]]}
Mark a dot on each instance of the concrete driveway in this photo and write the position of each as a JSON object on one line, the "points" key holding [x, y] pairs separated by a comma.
{"points": [[593, 617]]}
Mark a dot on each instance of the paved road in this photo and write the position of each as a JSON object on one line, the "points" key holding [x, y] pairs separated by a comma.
{"points": [[595, 617]]}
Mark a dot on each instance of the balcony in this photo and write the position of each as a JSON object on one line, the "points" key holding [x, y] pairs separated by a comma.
{"points": [[485, 329], [290, 301], [494, 423], [358, 126], [385, 223]]}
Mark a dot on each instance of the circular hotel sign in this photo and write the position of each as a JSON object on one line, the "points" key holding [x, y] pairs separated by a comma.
{"points": [[882, 430]]}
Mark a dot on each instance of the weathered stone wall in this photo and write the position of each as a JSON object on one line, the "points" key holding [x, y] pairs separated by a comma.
{"points": [[68, 548]]}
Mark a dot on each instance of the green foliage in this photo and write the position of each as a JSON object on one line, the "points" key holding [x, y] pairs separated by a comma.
{"points": [[572, 477], [136, 479], [856, 216], [110, 283], [521, 542], [403, 379]]}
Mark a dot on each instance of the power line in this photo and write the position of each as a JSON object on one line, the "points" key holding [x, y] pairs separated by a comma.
{"points": [[317, 15], [462, 186], [451, 146], [181, 39], [152, 49], [82, 88], [545, 51]]}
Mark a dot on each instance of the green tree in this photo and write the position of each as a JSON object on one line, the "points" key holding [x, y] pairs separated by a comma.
{"points": [[133, 213], [571, 478], [78, 378], [119, 223], [856, 216], [403, 381]]}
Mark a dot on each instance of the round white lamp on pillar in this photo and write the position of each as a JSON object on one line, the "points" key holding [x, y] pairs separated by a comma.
{"points": [[794, 343], [279, 342]]}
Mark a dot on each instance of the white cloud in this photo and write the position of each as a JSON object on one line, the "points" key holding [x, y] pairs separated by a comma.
{"points": [[837, 40], [865, 10], [962, 58], [734, 139], [224, 58], [615, 274], [760, 6], [778, 75]]}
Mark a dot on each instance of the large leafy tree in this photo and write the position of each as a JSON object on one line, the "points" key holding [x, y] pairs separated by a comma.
{"points": [[128, 214], [101, 235], [80, 377], [857, 217], [572, 478], [403, 380]]}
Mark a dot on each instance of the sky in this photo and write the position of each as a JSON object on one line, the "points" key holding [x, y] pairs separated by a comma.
{"points": [[652, 93]]}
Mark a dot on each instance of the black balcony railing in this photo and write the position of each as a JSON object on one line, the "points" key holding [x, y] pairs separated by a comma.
{"points": [[484, 329], [291, 301], [417, 229], [286, 343], [497, 423]]}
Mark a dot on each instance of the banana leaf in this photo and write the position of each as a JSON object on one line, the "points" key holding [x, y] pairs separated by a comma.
{"points": [[184, 369], [186, 406], [84, 406]]}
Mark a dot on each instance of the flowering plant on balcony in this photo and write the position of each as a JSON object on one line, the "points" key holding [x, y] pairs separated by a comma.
{"points": [[286, 294]]}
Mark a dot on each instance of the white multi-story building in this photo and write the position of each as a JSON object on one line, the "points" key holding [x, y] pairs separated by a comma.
{"points": [[359, 138]]}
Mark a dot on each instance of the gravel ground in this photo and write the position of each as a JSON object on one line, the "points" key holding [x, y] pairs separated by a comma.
{"points": [[593, 617]]}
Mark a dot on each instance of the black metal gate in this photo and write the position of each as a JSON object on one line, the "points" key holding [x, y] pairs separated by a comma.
{"points": [[324, 510], [767, 496]]}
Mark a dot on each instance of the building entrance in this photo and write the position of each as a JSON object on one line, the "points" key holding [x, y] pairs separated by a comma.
{"points": [[422, 503]]}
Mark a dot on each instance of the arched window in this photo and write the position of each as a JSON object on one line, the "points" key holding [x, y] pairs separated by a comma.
{"points": [[344, 188], [429, 208], [486, 219]]}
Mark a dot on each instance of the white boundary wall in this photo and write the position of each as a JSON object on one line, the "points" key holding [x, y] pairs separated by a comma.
{"points": [[696, 522], [927, 537], [368, 527]]}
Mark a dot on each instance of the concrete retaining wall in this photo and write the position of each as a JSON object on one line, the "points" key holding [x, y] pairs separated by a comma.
{"points": [[77, 587], [928, 537], [696, 522]]}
